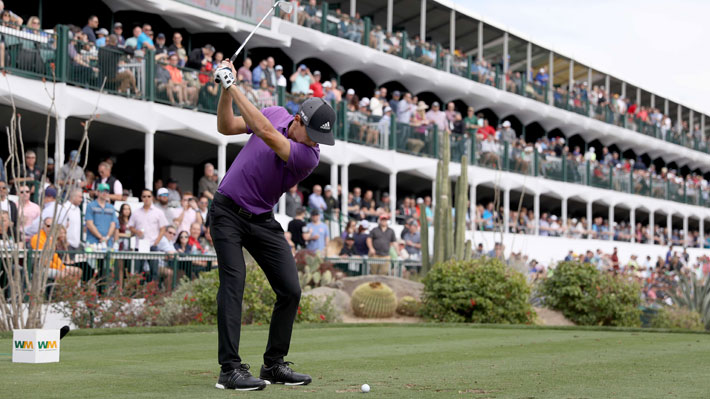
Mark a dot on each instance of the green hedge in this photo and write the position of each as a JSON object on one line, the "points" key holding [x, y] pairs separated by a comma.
{"points": [[675, 317], [476, 291], [587, 296]]}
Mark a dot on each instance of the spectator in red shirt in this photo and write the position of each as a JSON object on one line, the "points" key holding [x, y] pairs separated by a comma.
{"points": [[316, 86], [486, 130]]}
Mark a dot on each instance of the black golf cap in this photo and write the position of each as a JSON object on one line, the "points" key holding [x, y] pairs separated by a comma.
{"points": [[319, 118]]}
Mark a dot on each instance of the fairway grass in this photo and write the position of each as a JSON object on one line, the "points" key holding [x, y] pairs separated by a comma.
{"points": [[397, 361]]}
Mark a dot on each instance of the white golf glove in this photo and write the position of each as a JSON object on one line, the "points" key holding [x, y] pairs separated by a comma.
{"points": [[225, 77]]}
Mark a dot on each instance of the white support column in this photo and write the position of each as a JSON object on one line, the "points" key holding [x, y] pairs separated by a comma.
{"points": [[506, 209], [669, 226], [611, 222], [680, 114], [282, 205], [563, 216], [685, 230], [702, 123], [344, 185], [452, 32], [59, 145], [589, 80], [551, 82], [607, 87], [221, 161], [393, 193], [651, 226], [334, 180], [148, 167], [505, 60], [571, 75], [479, 53], [701, 232], [623, 89], [638, 96], [666, 109], [589, 218], [653, 100], [390, 11], [690, 121], [353, 7], [528, 63], [422, 21], [536, 208], [632, 223]]}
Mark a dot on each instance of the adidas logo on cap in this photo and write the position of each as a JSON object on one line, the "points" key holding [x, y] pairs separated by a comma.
{"points": [[325, 126]]}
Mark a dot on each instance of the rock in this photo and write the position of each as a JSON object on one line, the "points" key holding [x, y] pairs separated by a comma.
{"points": [[400, 286], [341, 300], [549, 317]]}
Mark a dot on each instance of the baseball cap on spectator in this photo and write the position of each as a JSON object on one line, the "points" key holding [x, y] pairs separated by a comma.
{"points": [[102, 31], [363, 224], [506, 124], [327, 85], [163, 191], [396, 93], [328, 187], [302, 66], [420, 200], [384, 217], [279, 68], [209, 47], [316, 73], [350, 237], [388, 109], [50, 192], [74, 155], [50, 161], [102, 187], [351, 92], [385, 195], [309, 91], [161, 35], [435, 104], [365, 102], [118, 25]]}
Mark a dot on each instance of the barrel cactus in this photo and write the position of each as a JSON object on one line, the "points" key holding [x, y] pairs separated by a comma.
{"points": [[408, 306], [373, 300]]}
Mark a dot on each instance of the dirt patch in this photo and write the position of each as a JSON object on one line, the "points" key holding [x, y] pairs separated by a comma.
{"points": [[349, 318], [549, 317]]}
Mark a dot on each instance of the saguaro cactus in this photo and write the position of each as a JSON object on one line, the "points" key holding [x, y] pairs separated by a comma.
{"points": [[424, 238], [461, 195]]}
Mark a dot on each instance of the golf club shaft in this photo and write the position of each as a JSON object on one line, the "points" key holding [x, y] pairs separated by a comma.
{"points": [[239, 50]]}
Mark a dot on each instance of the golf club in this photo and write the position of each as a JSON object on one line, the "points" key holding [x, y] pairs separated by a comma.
{"points": [[286, 6]]}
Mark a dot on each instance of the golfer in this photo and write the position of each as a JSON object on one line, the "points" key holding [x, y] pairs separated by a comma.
{"points": [[282, 151]]}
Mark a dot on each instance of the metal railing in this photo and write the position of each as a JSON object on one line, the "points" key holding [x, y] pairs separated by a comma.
{"points": [[359, 266]]}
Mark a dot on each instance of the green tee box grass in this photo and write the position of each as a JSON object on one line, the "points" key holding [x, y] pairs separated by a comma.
{"points": [[413, 361]]}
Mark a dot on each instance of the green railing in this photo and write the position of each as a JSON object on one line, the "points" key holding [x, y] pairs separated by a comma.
{"points": [[28, 52], [110, 267], [359, 266]]}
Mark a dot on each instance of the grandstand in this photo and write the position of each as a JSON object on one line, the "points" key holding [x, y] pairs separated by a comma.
{"points": [[562, 156]]}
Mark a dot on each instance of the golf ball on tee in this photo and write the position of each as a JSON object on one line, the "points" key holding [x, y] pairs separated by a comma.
{"points": [[365, 388]]}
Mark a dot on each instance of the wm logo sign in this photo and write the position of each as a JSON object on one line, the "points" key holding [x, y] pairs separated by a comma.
{"points": [[46, 344], [25, 345]]}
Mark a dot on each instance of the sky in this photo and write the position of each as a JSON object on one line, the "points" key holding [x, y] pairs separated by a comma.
{"points": [[661, 46]]}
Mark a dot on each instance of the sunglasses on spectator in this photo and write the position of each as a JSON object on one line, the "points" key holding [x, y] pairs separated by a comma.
{"points": [[146, 196], [24, 191], [183, 237], [170, 232], [48, 226], [3, 188]]}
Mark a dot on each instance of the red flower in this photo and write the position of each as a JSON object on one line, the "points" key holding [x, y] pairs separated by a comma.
{"points": [[299, 310], [473, 302], [322, 317], [192, 299], [185, 299]]}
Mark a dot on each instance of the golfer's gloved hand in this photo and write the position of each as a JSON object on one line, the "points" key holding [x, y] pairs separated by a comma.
{"points": [[225, 77]]}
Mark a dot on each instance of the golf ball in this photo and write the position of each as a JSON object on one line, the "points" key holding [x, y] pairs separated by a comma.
{"points": [[365, 388]]}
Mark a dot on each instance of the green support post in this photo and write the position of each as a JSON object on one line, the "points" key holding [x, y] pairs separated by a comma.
{"points": [[497, 80], [436, 142], [324, 18], [62, 61], [589, 172], [150, 75], [506, 148], [685, 193], [650, 185], [281, 96], [393, 133], [564, 166], [536, 162], [439, 61], [631, 182], [472, 141], [521, 89], [523, 132], [611, 177], [404, 45], [668, 188], [469, 64], [366, 35]]}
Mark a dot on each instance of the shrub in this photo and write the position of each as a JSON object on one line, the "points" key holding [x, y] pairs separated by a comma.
{"points": [[675, 317], [195, 302], [480, 291], [408, 306], [136, 304], [588, 297], [693, 294]]}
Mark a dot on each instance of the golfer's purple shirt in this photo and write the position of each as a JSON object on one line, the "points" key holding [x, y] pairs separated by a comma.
{"points": [[258, 177]]}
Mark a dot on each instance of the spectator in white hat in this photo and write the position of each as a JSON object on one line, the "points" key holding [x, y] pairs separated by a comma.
{"points": [[506, 133], [280, 78], [377, 104], [101, 39], [329, 95]]}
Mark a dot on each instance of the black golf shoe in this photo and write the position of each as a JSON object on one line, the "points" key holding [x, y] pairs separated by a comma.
{"points": [[240, 379], [281, 373]]}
